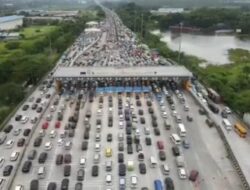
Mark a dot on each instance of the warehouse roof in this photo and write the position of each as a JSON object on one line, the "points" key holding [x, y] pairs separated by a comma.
{"points": [[10, 18]]}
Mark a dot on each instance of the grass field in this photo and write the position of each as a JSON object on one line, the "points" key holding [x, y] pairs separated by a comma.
{"points": [[37, 31]]}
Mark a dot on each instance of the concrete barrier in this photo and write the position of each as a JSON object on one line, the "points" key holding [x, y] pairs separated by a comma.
{"points": [[230, 153]]}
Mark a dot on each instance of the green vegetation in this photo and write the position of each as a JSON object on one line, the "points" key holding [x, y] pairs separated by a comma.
{"points": [[231, 81], [24, 62], [209, 19]]}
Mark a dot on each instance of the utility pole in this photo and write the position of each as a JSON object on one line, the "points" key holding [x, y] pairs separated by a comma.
{"points": [[142, 25], [179, 55]]}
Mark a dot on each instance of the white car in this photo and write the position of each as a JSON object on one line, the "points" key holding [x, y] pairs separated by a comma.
{"points": [[9, 144], [186, 108], [52, 108], [182, 173], [48, 146], [49, 117], [52, 134], [24, 119], [227, 110], [163, 108], [164, 114], [60, 142], [121, 124]]}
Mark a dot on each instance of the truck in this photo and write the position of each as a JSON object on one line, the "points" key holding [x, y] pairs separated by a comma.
{"points": [[179, 161]]}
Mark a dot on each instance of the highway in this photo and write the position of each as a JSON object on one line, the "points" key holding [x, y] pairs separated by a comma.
{"points": [[206, 154]]}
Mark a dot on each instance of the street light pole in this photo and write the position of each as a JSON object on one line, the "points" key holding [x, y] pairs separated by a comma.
{"points": [[179, 55]]}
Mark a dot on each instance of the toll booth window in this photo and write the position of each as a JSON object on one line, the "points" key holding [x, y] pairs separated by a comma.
{"points": [[82, 73]]}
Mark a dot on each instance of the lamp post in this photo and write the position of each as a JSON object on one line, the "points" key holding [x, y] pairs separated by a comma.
{"points": [[179, 55]]}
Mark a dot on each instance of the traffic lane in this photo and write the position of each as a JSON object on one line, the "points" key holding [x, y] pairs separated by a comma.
{"points": [[220, 173], [20, 177], [165, 137], [7, 152]]}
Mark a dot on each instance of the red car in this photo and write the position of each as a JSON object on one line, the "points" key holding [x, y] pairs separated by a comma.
{"points": [[160, 145], [45, 125], [58, 124]]}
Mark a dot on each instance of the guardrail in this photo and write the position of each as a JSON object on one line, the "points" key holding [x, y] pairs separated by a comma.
{"points": [[230, 153]]}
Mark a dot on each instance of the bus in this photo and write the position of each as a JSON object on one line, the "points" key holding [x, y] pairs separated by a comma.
{"points": [[240, 130], [158, 185], [181, 130]]}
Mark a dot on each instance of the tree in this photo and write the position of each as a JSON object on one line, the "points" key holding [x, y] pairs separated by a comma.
{"points": [[11, 93]]}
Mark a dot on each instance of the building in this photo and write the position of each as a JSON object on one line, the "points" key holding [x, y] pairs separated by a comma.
{"points": [[9, 36], [166, 11], [10, 22]]}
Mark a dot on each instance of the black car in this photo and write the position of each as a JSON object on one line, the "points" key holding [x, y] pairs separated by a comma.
{"points": [[138, 103], [140, 112], [18, 117], [137, 140], [51, 186], [25, 107], [39, 109], [59, 159], [8, 128], [153, 117], [86, 135], [67, 158], [120, 158], [148, 141], [120, 146], [65, 184], [128, 130], [129, 149], [122, 170], [7, 170], [38, 100], [162, 155], [38, 142], [32, 155], [34, 184], [154, 123], [142, 120], [42, 157], [109, 137], [26, 166], [150, 110], [78, 186], [149, 103], [157, 132], [85, 145], [176, 151], [67, 170], [26, 132], [95, 171], [20, 142], [141, 156], [169, 183], [142, 168], [34, 106]]}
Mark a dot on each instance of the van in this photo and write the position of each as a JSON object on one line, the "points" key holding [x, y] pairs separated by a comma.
{"points": [[175, 139], [165, 169], [14, 156], [134, 181], [108, 165], [130, 165], [41, 172], [227, 124], [152, 162], [108, 179]]}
